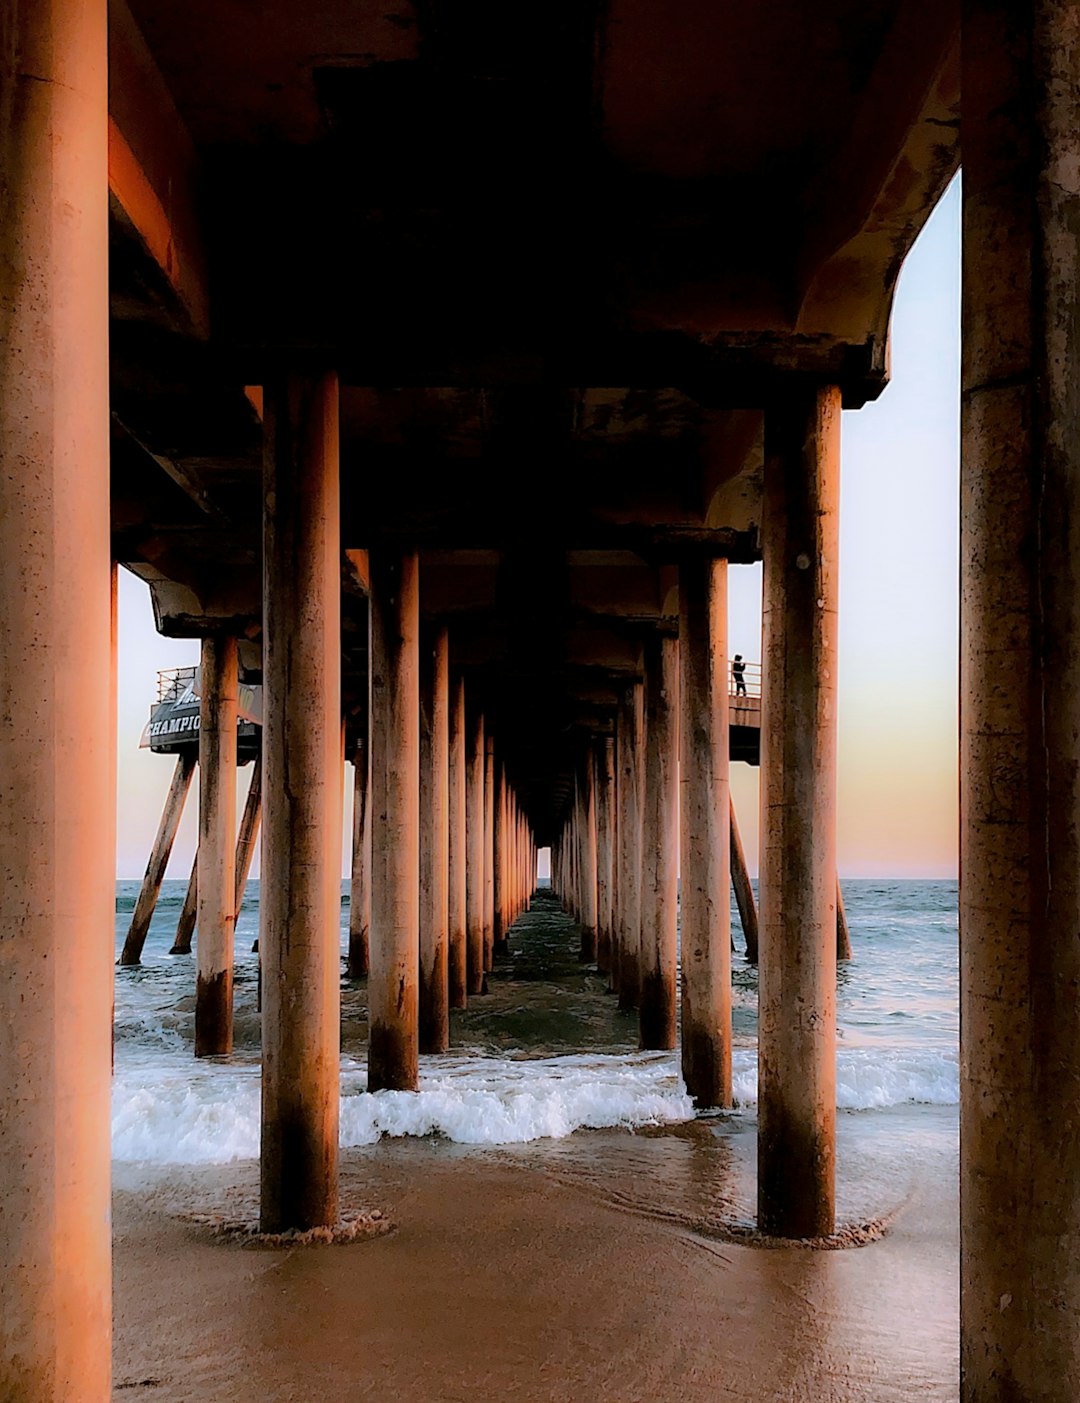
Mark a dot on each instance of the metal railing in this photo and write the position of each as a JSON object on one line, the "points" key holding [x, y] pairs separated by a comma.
{"points": [[751, 680], [175, 682]]}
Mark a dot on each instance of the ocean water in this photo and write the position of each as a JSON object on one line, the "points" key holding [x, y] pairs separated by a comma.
{"points": [[548, 1055]]}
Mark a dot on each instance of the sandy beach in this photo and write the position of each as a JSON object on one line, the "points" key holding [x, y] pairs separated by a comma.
{"points": [[600, 1271], [615, 1263]]}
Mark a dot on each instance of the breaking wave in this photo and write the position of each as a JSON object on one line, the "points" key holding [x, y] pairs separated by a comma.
{"points": [[210, 1114]]}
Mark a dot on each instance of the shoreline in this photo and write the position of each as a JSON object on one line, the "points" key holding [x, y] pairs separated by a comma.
{"points": [[561, 1270]]}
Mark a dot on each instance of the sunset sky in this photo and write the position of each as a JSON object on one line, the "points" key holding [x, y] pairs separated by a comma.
{"points": [[898, 612]]}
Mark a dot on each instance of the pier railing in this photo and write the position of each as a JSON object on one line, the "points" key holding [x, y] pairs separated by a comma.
{"points": [[176, 683], [744, 706], [751, 678]]}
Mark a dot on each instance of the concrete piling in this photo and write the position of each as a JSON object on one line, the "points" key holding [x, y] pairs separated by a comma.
{"points": [[360, 869], [744, 892], [797, 969], [489, 850], [393, 991], [299, 940], [704, 842], [217, 852], [474, 866], [185, 925], [458, 860], [159, 859], [843, 934], [660, 845], [249, 832], [503, 857], [434, 1013], [587, 893], [57, 776], [605, 782], [631, 726], [1019, 684]]}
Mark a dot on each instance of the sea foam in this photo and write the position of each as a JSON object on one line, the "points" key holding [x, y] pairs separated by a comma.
{"points": [[870, 1079], [210, 1113]]}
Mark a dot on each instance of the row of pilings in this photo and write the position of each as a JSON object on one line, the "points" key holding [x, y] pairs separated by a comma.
{"points": [[1019, 752], [443, 853], [651, 819]]}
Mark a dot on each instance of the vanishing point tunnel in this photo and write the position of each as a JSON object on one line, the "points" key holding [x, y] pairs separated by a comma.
{"points": [[432, 363]]}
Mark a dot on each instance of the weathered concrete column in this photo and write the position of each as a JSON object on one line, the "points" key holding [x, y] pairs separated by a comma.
{"points": [[300, 904], [520, 879], [573, 846], [744, 892], [57, 785], [1019, 693], [360, 869], [797, 970], [605, 783], [503, 848], [474, 864], [618, 899], [159, 859], [613, 860], [519, 875], [395, 820], [489, 851], [587, 894], [704, 806], [660, 844], [434, 843], [631, 756], [509, 829], [217, 851], [456, 897], [573, 859]]}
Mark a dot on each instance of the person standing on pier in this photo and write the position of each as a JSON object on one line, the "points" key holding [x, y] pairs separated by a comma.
{"points": [[738, 671]]}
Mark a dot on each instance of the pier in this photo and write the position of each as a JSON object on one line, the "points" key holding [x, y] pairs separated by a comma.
{"points": [[433, 366]]}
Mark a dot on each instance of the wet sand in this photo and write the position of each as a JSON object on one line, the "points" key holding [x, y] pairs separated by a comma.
{"points": [[597, 1266]]}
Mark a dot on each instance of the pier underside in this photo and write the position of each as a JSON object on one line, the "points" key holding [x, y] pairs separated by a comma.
{"points": [[433, 363]]}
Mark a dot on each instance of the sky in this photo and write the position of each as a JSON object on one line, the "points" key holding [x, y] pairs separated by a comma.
{"points": [[899, 535]]}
